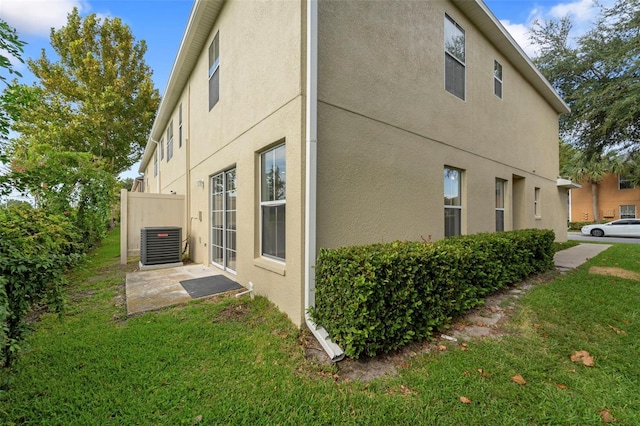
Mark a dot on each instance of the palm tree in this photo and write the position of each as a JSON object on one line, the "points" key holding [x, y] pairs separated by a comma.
{"points": [[593, 169]]}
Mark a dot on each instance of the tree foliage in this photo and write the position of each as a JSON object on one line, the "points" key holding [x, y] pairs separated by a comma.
{"points": [[10, 44], [598, 76], [97, 98], [592, 169]]}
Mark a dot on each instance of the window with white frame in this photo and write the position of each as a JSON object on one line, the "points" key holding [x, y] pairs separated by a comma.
{"points": [[170, 141], [500, 190], [161, 149], [536, 202], [454, 57], [155, 163], [628, 212], [214, 71], [452, 202], [180, 126], [624, 183], [497, 79], [273, 200]]}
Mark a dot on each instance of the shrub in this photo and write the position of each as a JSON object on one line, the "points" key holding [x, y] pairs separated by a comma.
{"points": [[375, 299], [35, 250]]}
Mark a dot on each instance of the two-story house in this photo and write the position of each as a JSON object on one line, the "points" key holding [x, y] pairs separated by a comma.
{"points": [[294, 125]]}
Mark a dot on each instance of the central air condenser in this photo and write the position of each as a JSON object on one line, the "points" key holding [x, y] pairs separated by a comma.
{"points": [[159, 245]]}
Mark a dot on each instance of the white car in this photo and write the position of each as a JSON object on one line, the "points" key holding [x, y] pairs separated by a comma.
{"points": [[617, 228]]}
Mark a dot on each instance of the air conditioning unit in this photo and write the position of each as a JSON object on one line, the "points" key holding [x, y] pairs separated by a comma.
{"points": [[159, 245]]}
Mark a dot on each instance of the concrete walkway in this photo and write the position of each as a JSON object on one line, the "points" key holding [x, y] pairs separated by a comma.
{"points": [[575, 256], [158, 288]]}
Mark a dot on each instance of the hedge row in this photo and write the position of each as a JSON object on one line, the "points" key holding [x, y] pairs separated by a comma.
{"points": [[36, 248], [377, 298]]}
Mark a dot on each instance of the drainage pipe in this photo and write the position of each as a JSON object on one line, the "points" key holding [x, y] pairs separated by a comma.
{"points": [[250, 291], [334, 351]]}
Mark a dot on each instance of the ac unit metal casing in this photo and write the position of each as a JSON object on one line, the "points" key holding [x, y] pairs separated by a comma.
{"points": [[159, 245]]}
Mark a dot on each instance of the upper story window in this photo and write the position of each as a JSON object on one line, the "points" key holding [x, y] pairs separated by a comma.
{"points": [[454, 57], [161, 149], [170, 141], [155, 163], [624, 183], [497, 79], [214, 71], [180, 126]]}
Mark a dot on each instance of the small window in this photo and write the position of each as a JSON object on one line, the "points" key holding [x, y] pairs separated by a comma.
{"points": [[170, 141], [273, 202], [497, 79], [155, 163], [452, 202], [536, 202], [214, 72], [454, 58], [624, 183], [500, 189], [628, 212], [180, 126], [161, 149]]}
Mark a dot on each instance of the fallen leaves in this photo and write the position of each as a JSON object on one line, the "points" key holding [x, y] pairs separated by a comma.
{"points": [[582, 356], [465, 400], [519, 380], [606, 416], [617, 330]]}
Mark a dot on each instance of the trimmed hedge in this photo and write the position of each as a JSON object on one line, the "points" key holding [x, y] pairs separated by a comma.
{"points": [[377, 298]]}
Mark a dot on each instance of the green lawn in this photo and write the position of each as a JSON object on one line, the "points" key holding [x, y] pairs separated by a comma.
{"points": [[230, 361]]}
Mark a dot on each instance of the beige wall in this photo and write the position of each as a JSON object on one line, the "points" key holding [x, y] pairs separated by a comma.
{"points": [[140, 210], [261, 105], [387, 129]]}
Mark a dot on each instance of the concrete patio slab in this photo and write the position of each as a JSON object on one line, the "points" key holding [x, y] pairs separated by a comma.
{"points": [[158, 288]]}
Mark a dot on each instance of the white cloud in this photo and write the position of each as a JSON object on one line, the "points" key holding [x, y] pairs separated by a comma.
{"points": [[37, 17], [520, 33], [580, 11]]}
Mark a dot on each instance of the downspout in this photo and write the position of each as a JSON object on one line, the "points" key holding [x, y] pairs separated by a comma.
{"points": [[334, 351]]}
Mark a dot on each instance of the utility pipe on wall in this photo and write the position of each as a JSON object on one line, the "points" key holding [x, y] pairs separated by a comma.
{"points": [[334, 351]]}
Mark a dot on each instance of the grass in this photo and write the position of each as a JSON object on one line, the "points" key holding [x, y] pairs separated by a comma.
{"points": [[230, 361]]}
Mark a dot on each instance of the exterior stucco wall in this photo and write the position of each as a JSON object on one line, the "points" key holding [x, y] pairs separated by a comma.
{"points": [[260, 106], [387, 128], [610, 198]]}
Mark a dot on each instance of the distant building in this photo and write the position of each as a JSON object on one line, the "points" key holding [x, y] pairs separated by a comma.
{"points": [[617, 199]]}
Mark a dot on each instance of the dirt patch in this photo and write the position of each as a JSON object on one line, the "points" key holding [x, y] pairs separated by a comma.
{"points": [[485, 321], [232, 313], [615, 272]]}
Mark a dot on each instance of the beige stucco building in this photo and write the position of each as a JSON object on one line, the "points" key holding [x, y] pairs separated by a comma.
{"points": [[294, 125]]}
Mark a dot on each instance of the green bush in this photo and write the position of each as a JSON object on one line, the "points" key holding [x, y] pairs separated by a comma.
{"points": [[36, 248], [377, 298]]}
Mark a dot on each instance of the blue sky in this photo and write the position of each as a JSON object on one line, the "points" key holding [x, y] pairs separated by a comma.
{"points": [[161, 23]]}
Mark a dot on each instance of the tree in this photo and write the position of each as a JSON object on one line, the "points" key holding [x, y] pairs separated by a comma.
{"points": [[10, 44], [599, 77], [592, 169], [98, 98]]}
